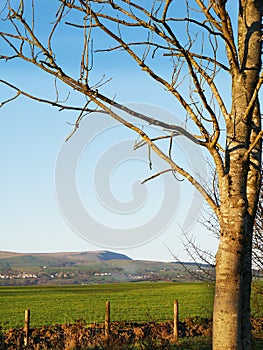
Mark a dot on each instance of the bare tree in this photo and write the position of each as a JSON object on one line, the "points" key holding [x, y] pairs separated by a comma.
{"points": [[212, 41]]}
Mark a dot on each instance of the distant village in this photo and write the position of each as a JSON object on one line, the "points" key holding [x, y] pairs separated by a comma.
{"points": [[45, 276], [76, 277], [83, 268]]}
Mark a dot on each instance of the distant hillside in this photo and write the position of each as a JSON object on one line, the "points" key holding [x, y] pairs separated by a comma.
{"points": [[24, 260], [91, 267]]}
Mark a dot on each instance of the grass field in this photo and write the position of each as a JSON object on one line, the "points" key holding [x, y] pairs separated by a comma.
{"points": [[138, 302]]}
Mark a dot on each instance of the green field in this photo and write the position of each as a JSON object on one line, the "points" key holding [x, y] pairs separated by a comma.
{"points": [[138, 302]]}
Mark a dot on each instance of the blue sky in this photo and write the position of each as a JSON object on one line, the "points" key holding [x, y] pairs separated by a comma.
{"points": [[32, 137]]}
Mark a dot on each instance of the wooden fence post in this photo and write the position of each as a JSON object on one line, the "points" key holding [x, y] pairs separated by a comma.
{"points": [[107, 319], [176, 320], [26, 327]]}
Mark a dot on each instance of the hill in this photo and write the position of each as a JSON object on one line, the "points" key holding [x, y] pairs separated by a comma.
{"points": [[25, 260], [89, 267]]}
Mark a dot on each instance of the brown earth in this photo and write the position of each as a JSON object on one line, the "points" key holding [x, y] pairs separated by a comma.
{"points": [[126, 336]]}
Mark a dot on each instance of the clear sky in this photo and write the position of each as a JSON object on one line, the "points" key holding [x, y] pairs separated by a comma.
{"points": [[86, 194]]}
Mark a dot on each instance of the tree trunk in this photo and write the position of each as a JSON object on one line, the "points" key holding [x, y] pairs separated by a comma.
{"points": [[239, 196], [239, 189], [231, 323], [233, 268]]}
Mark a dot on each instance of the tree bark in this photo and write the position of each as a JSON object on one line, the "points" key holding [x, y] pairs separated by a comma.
{"points": [[239, 190], [231, 323]]}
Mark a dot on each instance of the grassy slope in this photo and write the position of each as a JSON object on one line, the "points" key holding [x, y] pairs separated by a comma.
{"points": [[32, 261], [86, 267]]}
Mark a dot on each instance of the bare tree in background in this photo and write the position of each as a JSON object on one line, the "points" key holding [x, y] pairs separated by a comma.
{"points": [[210, 222], [190, 55]]}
